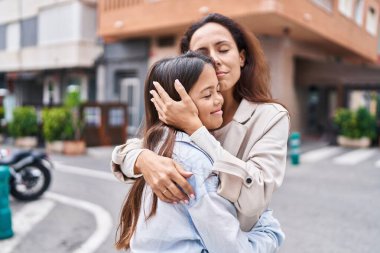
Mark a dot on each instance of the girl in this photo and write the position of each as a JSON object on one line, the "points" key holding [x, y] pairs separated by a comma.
{"points": [[208, 223]]}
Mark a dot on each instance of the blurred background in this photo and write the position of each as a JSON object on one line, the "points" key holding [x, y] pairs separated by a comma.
{"points": [[71, 82]]}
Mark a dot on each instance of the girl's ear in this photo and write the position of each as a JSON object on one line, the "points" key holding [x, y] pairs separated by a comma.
{"points": [[242, 58]]}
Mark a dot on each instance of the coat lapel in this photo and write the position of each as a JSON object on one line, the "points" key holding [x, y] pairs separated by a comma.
{"points": [[235, 138]]}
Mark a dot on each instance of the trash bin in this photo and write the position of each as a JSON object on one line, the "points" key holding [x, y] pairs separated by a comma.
{"points": [[5, 211], [295, 143]]}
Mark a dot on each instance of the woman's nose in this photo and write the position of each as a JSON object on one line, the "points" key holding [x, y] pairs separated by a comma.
{"points": [[215, 57]]}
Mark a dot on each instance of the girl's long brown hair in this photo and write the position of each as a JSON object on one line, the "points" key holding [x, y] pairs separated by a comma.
{"points": [[253, 84], [187, 68]]}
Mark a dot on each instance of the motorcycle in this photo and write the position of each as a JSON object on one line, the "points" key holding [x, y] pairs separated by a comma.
{"points": [[30, 173]]}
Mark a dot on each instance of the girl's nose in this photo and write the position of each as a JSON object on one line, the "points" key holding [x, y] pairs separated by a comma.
{"points": [[219, 99]]}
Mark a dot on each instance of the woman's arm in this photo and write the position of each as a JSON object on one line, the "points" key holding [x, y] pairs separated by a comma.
{"points": [[248, 184], [161, 173], [215, 218]]}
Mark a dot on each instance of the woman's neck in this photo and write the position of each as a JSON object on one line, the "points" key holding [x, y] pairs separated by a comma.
{"points": [[230, 106]]}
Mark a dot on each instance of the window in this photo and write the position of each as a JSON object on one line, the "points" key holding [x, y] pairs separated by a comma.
{"points": [[13, 37], [29, 32], [130, 94], [92, 116], [371, 21], [51, 92], [66, 22], [2, 37], [324, 4], [346, 7], [116, 117], [358, 11]]}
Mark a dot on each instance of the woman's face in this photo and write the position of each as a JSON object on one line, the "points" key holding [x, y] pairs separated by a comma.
{"points": [[217, 42], [206, 96]]}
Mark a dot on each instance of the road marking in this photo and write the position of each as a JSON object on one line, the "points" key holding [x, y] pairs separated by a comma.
{"points": [[102, 217], [24, 220], [319, 154], [354, 157], [84, 172]]}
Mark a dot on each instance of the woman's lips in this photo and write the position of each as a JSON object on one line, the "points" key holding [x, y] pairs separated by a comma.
{"points": [[220, 73]]}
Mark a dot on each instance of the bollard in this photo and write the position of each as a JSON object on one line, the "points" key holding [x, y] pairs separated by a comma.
{"points": [[295, 142], [5, 211]]}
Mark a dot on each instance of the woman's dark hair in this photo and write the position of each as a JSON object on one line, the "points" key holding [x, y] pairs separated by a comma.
{"points": [[187, 68], [253, 84]]}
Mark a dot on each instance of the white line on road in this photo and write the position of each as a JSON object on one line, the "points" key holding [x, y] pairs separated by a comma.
{"points": [[84, 172], [102, 217], [319, 154], [24, 220], [354, 157]]}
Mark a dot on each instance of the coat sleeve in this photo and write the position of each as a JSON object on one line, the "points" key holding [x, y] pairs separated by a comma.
{"points": [[254, 180], [215, 220], [124, 158]]}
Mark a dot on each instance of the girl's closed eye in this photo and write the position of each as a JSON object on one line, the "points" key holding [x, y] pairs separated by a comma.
{"points": [[207, 96]]}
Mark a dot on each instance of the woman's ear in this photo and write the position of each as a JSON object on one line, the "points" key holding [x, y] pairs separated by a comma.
{"points": [[242, 58]]}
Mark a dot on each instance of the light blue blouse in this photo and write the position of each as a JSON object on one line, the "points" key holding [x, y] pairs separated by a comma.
{"points": [[208, 223]]}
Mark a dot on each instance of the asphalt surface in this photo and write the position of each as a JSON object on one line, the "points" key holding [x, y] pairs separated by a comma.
{"points": [[323, 205]]}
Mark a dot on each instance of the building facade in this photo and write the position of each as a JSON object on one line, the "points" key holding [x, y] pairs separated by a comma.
{"points": [[323, 54], [47, 45]]}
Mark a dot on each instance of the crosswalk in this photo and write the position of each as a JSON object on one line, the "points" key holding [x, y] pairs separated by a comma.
{"points": [[342, 156]]}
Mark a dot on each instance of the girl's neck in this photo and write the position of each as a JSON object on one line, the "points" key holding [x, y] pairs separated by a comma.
{"points": [[230, 106]]}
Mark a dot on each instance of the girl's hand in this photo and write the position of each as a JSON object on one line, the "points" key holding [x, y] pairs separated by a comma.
{"points": [[164, 176], [182, 114]]}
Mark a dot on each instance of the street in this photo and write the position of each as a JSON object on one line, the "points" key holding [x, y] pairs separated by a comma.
{"points": [[329, 203]]}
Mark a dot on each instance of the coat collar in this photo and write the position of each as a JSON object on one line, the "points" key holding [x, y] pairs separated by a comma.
{"points": [[244, 111], [238, 130]]}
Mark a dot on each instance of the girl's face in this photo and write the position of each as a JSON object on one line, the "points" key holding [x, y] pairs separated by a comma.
{"points": [[217, 42], [206, 96]]}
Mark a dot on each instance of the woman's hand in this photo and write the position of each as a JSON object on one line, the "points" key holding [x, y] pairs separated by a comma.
{"points": [[163, 175], [182, 114]]}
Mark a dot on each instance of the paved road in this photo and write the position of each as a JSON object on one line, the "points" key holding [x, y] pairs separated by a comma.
{"points": [[329, 204], [81, 209]]}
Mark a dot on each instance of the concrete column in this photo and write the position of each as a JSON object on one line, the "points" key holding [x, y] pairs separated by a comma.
{"points": [[280, 57]]}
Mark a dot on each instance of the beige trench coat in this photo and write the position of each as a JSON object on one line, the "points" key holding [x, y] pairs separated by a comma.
{"points": [[251, 164]]}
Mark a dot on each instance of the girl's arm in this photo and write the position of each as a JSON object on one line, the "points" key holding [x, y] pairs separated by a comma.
{"points": [[130, 161]]}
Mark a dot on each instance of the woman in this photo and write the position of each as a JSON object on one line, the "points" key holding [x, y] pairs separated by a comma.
{"points": [[249, 150], [209, 222]]}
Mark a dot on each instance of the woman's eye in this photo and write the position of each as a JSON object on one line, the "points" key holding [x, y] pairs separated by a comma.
{"points": [[223, 50], [207, 96]]}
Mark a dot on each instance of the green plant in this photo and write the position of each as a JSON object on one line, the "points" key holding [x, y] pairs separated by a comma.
{"points": [[355, 124], [72, 102], [1, 112], [24, 122], [57, 124]]}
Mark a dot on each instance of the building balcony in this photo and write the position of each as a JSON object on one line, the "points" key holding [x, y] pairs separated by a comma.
{"points": [[66, 55], [321, 24]]}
